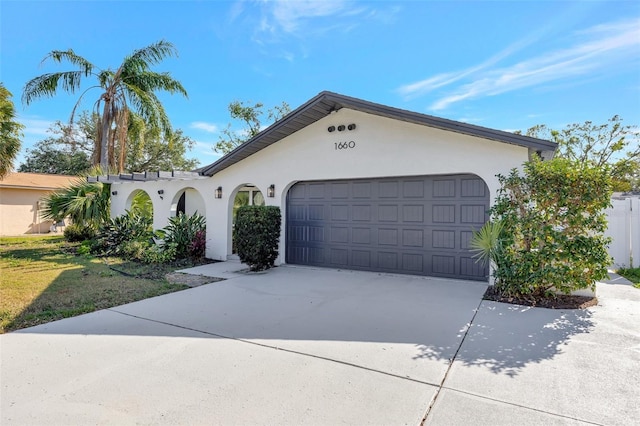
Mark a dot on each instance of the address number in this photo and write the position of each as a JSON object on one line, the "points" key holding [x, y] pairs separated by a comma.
{"points": [[344, 145]]}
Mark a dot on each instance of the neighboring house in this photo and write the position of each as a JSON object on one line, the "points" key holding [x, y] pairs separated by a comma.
{"points": [[360, 186], [20, 204]]}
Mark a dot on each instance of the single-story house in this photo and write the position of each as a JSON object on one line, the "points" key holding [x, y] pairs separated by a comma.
{"points": [[360, 186], [20, 204]]}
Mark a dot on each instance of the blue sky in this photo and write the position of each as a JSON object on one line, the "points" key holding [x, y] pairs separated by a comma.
{"points": [[505, 65]]}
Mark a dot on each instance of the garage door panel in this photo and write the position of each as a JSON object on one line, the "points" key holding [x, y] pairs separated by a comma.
{"points": [[444, 188], [413, 189], [362, 212], [388, 189], [416, 225], [473, 213], [362, 190], [413, 213], [473, 187], [444, 213], [340, 212], [388, 213], [361, 235], [339, 191], [443, 239], [361, 258]]}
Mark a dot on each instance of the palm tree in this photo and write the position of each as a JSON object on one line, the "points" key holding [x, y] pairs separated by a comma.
{"points": [[130, 88], [10, 132], [85, 203]]}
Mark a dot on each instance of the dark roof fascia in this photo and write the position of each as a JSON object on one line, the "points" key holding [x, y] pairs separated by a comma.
{"points": [[144, 176], [328, 102]]}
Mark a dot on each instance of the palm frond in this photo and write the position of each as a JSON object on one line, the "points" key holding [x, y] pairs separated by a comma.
{"points": [[149, 107], [150, 81], [486, 243], [46, 85], [71, 57], [152, 54], [84, 202]]}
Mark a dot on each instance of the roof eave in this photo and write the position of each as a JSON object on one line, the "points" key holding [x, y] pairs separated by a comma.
{"points": [[326, 102]]}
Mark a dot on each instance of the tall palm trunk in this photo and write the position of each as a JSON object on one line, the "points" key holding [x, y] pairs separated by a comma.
{"points": [[104, 136]]}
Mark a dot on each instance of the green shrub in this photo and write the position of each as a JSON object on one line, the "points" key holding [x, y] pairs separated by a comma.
{"points": [[183, 231], [76, 232], [257, 234], [552, 228], [133, 249], [119, 230], [159, 253], [85, 248]]}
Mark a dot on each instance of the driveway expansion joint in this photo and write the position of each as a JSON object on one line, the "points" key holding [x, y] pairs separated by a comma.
{"points": [[488, 398], [446, 373], [337, 361]]}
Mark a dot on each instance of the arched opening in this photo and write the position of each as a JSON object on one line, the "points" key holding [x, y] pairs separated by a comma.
{"points": [[246, 195], [188, 201], [140, 202]]}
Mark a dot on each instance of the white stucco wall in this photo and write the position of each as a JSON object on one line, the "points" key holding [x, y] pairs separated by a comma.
{"points": [[383, 147]]}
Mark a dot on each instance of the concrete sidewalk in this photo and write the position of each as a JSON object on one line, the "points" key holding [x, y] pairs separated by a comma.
{"points": [[316, 346]]}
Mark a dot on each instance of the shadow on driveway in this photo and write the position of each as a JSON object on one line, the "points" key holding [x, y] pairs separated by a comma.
{"points": [[506, 338], [410, 326]]}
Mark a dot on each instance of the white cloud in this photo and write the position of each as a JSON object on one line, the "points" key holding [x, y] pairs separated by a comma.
{"points": [[202, 125], [606, 46], [304, 19], [290, 15], [34, 126]]}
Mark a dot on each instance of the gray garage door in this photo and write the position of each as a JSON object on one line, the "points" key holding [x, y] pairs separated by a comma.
{"points": [[413, 225]]}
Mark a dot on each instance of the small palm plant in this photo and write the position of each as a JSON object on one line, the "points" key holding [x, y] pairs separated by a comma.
{"points": [[86, 203], [486, 243]]}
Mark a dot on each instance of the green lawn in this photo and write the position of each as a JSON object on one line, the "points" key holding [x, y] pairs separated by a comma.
{"points": [[632, 274], [42, 279]]}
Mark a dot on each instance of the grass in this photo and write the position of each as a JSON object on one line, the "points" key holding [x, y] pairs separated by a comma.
{"points": [[42, 279], [632, 274]]}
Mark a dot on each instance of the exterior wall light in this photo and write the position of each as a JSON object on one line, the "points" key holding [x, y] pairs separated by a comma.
{"points": [[114, 192], [218, 192], [331, 129], [271, 191]]}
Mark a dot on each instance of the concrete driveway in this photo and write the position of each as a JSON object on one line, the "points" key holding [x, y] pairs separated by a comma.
{"points": [[315, 346]]}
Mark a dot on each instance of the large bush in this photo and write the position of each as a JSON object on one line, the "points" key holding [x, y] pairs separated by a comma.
{"points": [[257, 234], [552, 222]]}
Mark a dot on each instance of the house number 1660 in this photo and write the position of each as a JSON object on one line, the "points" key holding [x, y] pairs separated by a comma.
{"points": [[344, 145]]}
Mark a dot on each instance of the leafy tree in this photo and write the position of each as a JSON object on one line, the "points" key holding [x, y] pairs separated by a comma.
{"points": [[50, 156], [550, 223], [250, 116], [152, 150], [71, 149], [611, 143], [10, 132], [131, 86]]}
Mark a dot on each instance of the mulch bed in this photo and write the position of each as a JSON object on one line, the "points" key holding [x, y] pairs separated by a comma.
{"points": [[560, 301]]}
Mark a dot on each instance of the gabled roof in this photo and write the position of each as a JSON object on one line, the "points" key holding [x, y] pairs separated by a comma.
{"points": [[36, 181], [326, 102]]}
